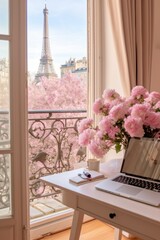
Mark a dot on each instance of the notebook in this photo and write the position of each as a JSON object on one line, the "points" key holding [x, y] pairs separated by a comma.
{"points": [[139, 178], [81, 178]]}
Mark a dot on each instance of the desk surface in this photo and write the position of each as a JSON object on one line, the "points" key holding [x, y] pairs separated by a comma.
{"points": [[134, 217], [88, 190]]}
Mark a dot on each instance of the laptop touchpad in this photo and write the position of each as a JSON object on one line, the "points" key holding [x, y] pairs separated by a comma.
{"points": [[128, 190]]}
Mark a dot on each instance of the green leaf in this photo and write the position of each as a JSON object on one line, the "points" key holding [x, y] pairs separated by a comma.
{"points": [[118, 147]]}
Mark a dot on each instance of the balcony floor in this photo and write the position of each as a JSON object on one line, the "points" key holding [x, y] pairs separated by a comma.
{"points": [[43, 207], [40, 208]]}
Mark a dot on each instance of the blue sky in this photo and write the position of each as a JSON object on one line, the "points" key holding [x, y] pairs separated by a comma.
{"points": [[4, 47], [67, 31], [4, 16]]}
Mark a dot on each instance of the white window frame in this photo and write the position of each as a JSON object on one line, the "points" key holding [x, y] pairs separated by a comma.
{"points": [[16, 226]]}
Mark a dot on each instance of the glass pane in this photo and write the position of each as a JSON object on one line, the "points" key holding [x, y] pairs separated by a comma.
{"points": [[4, 13], [4, 96], [5, 185]]}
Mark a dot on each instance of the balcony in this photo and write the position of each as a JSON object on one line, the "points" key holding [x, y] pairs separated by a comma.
{"points": [[53, 148]]}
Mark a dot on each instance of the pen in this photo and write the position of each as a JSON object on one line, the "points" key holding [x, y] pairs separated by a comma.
{"points": [[87, 174]]}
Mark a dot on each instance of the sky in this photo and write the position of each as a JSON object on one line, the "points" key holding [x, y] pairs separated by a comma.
{"points": [[67, 31], [4, 28]]}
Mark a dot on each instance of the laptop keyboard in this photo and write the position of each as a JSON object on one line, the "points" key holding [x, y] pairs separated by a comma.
{"points": [[138, 183]]}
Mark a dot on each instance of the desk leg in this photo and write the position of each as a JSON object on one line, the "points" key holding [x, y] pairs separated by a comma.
{"points": [[117, 234], [76, 225]]}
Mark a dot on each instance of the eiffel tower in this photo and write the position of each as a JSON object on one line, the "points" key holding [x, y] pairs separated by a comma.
{"points": [[46, 67]]}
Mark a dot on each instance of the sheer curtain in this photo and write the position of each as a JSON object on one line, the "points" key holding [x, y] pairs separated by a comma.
{"points": [[108, 67], [107, 55]]}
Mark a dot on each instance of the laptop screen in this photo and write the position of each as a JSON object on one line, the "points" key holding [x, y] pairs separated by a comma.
{"points": [[142, 158]]}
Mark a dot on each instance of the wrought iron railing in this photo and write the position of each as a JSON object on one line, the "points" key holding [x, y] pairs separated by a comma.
{"points": [[53, 148]]}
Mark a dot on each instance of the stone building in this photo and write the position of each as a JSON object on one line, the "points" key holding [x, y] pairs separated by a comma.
{"points": [[78, 67]]}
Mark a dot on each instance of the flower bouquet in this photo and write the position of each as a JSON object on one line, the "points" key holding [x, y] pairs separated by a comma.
{"points": [[120, 119]]}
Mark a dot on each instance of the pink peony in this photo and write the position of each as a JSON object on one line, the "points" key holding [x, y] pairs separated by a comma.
{"points": [[130, 101], [134, 126], [86, 136], [84, 124], [106, 108], [152, 119], [113, 132], [118, 112], [116, 102], [140, 110], [96, 149], [139, 92], [153, 98], [107, 126], [97, 106], [110, 95]]}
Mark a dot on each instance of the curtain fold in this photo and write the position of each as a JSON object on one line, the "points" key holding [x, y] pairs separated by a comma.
{"points": [[144, 42], [127, 8], [120, 38]]}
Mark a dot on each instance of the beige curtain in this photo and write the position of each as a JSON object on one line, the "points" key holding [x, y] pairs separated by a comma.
{"points": [[122, 57], [136, 21], [155, 71], [144, 38], [127, 9]]}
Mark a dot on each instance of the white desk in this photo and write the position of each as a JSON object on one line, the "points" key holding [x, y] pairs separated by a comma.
{"points": [[136, 218]]}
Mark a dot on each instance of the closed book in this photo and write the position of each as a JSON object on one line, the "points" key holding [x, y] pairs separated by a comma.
{"points": [[82, 178]]}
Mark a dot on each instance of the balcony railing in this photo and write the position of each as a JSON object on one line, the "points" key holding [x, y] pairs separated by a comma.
{"points": [[53, 148]]}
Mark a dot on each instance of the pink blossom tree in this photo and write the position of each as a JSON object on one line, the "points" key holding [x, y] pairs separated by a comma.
{"points": [[69, 92]]}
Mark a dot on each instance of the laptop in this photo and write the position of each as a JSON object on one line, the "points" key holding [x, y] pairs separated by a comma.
{"points": [[139, 178]]}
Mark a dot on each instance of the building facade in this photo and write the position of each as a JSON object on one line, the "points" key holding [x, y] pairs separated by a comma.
{"points": [[76, 67]]}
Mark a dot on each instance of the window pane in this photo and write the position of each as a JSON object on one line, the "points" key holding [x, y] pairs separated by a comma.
{"points": [[4, 96], [4, 17], [5, 185]]}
